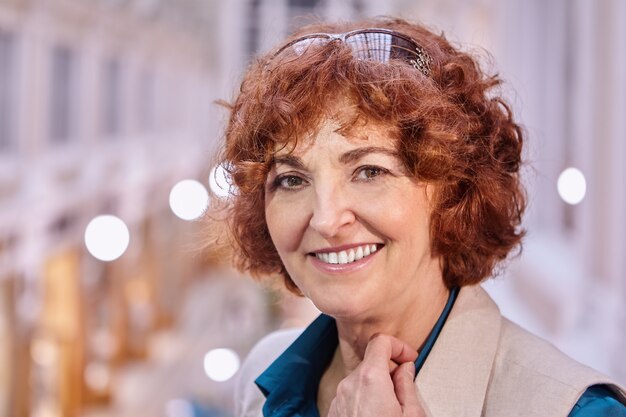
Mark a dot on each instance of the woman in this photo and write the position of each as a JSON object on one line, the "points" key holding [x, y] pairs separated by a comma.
{"points": [[377, 172]]}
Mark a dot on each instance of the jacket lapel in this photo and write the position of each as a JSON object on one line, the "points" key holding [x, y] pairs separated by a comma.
{"points": [[454, 379]]}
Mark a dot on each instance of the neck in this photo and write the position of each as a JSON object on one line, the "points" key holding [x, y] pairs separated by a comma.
{"points": [[410, 319]]}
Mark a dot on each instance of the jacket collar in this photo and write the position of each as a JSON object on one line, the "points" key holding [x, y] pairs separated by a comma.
{"points": [[454, 380]]}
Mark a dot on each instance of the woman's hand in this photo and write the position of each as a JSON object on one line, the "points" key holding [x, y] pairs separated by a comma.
{"points": [[378, 387]]}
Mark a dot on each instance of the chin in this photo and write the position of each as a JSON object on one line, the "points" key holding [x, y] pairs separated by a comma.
{"points": [[341, 306]]}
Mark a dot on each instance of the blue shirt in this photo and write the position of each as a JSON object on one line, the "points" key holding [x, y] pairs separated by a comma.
{"points": [[291, 382]]}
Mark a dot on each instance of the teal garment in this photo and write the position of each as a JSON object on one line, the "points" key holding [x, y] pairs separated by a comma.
{"points": [[598, 401], [291, 382]]}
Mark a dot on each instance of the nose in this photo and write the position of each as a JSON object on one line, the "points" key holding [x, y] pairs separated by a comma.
{"points": [[332, 211]]}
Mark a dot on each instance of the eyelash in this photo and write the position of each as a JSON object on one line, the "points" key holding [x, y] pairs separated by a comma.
{"points": [[277, 183]]}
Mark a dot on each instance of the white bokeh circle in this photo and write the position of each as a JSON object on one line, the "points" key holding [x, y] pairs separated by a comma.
{"points": [[572, 186], [221, 364], [107, 237], [189, 199], [220, 182]]}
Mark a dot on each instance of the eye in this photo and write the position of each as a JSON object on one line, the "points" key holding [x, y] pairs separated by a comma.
{"points": [[368, 173], [288, 182]]}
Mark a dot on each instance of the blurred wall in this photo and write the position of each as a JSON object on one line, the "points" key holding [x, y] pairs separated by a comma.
{"points": [[104, 106]]}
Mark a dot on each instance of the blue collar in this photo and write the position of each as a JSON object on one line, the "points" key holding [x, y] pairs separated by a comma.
{"points": [[290, 383]]}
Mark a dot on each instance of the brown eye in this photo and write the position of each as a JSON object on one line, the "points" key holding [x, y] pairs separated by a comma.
{"points": [[288, 182], [369, 173], [372, 172]]}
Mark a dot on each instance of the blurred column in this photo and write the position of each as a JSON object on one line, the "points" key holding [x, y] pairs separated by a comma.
{"points": [[58, 348]]}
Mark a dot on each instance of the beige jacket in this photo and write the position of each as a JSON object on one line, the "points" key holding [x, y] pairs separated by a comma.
{"points": [[481, 365]]}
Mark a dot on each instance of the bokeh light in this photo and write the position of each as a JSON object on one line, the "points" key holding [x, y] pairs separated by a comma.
{"points": [[219, 182], [107, 237], [97, 376], [189, 199], [572, 186], [221, 364], [43, 352]]}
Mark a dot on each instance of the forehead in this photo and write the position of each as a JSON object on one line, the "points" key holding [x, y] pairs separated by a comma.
{"points": [[335, 133]]}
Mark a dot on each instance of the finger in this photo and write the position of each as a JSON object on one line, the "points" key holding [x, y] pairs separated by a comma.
{"points": [[405, 390], [332, 410], [382, 348]]}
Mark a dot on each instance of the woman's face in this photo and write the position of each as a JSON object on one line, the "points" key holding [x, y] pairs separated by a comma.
{"points": [[349, 223]]}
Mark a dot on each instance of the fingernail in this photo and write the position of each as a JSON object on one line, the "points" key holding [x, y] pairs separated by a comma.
{"points": [[410, 369]]}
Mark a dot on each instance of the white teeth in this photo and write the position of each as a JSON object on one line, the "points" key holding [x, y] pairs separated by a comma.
{"points": [[332, 257], [346, 256], [342, 257]]}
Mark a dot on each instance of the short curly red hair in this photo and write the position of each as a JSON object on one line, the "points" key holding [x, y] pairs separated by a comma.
{"points": [[453, 131]]}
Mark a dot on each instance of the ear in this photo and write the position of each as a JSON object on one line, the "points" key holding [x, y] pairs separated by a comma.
{"points": [[431, 190]]}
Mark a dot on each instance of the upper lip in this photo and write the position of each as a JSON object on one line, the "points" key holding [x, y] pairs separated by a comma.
{"points": [[346, 247]]}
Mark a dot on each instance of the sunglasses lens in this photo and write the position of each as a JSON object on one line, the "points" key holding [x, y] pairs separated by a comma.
{"points": [[303, 45], [376, 45], [380, 47], [300, 46]]}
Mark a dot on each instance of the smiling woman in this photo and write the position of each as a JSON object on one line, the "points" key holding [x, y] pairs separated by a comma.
{"points": [[377, 172]]}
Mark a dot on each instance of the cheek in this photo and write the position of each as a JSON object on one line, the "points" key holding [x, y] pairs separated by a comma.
{"points": [[403, 217], [417, 227], [285, 224], [395, 212]]}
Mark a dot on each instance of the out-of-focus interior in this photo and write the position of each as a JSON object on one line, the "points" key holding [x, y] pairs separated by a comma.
{"points": [[111, 305]]}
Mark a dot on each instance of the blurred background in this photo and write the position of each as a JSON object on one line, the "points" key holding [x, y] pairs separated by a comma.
{"points": [[107, 130]]}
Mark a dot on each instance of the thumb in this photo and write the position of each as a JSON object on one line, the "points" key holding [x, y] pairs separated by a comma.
{"points": [[405, 389]]}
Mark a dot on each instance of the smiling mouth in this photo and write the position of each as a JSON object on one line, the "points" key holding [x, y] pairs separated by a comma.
{"points": [[347, 256]]}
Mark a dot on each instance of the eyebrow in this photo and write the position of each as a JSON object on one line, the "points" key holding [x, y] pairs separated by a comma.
{"points": [[358, 153], [346, 158], [292, 161]]}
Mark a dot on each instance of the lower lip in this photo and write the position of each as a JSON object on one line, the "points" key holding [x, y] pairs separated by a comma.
{"points": [[343, 268]]}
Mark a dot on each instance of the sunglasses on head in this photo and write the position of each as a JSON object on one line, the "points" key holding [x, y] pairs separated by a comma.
{"points": [[380, 45]]}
